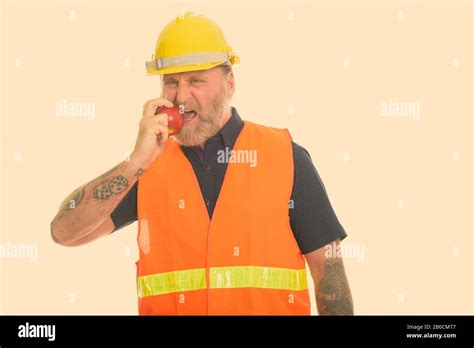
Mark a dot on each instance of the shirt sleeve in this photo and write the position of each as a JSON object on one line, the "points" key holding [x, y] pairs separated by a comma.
{"points": [[126, 212], [312, 218]]}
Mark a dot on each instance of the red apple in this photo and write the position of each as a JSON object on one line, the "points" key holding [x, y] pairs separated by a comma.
{"points": [[175, 118]]}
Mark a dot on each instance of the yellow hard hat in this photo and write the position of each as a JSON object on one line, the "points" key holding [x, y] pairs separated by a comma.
{"points": [[188, 43]]}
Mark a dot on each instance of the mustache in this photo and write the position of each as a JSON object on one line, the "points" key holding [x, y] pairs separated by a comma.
{"points": [[186, 107]]}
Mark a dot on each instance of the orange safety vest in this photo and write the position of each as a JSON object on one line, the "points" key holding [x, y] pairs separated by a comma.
{"points": [[245, 260]]}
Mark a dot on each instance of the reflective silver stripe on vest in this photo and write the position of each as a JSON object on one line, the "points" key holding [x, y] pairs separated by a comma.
{"points": [[188, 59]]}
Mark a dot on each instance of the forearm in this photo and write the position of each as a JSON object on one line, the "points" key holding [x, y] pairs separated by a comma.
{"points": [[333, 295], [89, 205]]}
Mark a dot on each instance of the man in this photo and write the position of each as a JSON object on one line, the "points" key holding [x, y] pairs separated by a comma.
{"points": [[228, 210]]}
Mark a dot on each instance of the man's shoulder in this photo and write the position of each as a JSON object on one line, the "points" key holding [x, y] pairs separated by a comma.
{"points": [[300, 151], [265, 130]]}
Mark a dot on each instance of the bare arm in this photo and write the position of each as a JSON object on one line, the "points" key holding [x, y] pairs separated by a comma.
{"points": [[85, 214], [333, 295]]}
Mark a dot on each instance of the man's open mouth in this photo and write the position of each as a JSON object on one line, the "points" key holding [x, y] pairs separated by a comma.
{"points": [[189, 115]]}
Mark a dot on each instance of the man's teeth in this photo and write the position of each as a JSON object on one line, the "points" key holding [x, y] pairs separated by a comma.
{"points": [[189, 115]]}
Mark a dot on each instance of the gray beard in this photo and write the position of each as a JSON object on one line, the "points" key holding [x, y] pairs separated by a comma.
{"points": [[204, 130], [208, 124]]}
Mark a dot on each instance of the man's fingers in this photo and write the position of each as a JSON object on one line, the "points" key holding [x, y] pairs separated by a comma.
{"points": [[162, 119], [159, 129], [150, 106], [158, 120]]}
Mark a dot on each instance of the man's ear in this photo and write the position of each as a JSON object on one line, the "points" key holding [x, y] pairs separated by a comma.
{"points": [[230, 83]]}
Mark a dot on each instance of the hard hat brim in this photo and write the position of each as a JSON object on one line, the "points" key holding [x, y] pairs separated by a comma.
{"points": [[183, 68]]}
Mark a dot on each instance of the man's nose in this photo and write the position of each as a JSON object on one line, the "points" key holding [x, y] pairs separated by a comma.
{"points": [[183, 94]]}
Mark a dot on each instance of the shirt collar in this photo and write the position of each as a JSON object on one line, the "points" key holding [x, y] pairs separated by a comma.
{"points": [[231, 130]]}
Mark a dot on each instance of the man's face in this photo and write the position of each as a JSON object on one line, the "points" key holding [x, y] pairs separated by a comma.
{"points": [[205, 95]]}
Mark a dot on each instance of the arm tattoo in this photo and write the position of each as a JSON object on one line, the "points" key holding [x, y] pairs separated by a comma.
{"points": [[104, 191], [333, 293], [115, 185], [108, 187], [139, 172]]}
